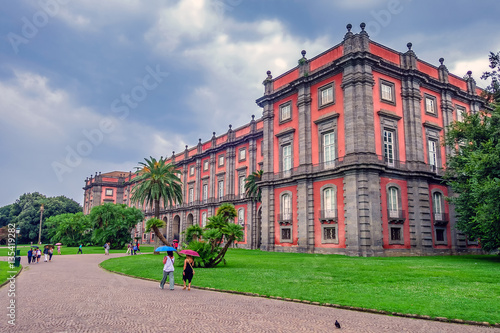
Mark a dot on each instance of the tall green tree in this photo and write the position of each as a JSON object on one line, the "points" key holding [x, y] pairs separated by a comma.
{"points": [[69, 229], [473, 169], [157, 181], [252, 190], [25, 212], [114, 223]]}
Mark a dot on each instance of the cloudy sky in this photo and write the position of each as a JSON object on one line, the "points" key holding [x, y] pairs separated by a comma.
{"points": [[95, 86]]}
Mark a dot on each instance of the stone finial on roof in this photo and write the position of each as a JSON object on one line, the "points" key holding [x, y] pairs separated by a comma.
{"points": [[363, 26], [213, 136], [253, 117], [348, 34], [441, 60], [442, 71], [409, 45]]}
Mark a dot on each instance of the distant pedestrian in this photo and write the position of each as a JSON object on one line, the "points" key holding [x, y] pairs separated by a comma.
{"points": [[46, 253], [175, 243], [80, 249], [51, 252], [187, 274], [134, 249], [168, 270], [58, 249], [129, 248], [138, 248], [106, 249], [38, 255], [30, 255]]}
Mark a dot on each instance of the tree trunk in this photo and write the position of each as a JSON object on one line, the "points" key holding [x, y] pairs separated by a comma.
{"points": [[160, 236], [221, 255]]}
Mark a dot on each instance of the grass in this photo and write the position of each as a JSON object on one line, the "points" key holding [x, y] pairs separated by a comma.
{"points": [[72, 250], [456, 287], [5, 271]]}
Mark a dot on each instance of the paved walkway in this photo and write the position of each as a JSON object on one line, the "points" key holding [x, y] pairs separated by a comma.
{"points": [[72, 294]]}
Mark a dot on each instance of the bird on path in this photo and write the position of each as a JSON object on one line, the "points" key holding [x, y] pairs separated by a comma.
{"points": [[337, 324]]}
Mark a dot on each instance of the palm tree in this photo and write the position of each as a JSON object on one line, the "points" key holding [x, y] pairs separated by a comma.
{"points": [[252, 190], [156, 182]]}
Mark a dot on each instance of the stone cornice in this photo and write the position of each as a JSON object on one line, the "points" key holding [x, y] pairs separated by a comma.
{"points": [[389, 114], [286, 131], [327, 117]]}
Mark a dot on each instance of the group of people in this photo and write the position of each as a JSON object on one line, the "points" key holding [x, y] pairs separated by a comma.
{"points": [[168, 271], [133, 249], [34, 254]]}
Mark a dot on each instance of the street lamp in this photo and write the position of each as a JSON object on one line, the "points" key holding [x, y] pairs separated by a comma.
{"points": [[40, 231]]}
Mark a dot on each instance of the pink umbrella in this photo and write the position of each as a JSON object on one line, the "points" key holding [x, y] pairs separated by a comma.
{"points": [[58, 244], [189, 253]]}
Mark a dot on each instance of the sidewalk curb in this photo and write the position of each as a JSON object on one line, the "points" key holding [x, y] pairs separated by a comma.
{"points": [[7, 281], [343, 307]]}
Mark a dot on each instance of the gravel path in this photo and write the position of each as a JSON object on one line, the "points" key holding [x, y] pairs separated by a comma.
{"points": [[72, 294]]}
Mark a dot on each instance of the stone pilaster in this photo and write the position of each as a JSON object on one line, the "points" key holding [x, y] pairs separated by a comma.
{"points": [[419, 216]]}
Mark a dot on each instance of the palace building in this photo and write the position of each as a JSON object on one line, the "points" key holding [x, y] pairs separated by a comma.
{"points": [[350, 145]]}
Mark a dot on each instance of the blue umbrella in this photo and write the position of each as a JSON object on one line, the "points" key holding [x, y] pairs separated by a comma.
{"points": [[165, 248]]}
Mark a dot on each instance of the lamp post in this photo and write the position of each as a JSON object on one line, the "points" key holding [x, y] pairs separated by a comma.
{"points": [[40, 230]]}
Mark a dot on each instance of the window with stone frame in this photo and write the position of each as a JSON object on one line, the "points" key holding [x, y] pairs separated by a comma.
{"points": [[203, 219], [461, 112], [395, 214], [329, 233], [387, 92], [204, 192], [432, 133], [241, 216], [396, 233], [242, 154], [109, 192], [393, 202], [220, 188], [241, 180], [432, 146], [286, 208], [286, 153], [221, 160], [191, 195], [389, 147], [285, 111], [327, 135], [389, 126], [286, 234], [430, 104], [326, 95], [191, 170], [329, 148], [205, 165], [329, 203], [285, 139], [440, 218], [437, 206]]}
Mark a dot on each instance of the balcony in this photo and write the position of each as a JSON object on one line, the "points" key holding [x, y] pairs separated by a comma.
{"points": [[440, 218], [396, 215], [328, 215], [285, 218]]}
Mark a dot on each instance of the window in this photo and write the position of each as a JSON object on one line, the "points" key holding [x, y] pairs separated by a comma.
{"points": [[220, 187], [286, 208], [440, 232], [329, 234], [437, 206], [205, 192], [221, 160], [389, 147], [286, 112], [191, 170], [393, 202], [205, 165], [387, 92], [191, 195], [242, 154], [432, 145], [460, 113], [329, 148], [286, 234], [396, 234], [203, 219], [109, 191], [241, 216], [287, 157], [242, 186], [326, 95], [329, 203], [430, 104]]}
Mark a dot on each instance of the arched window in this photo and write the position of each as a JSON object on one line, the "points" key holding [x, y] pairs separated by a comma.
{"points": [[393, 202], [329, 203], [241, 216], [437, 205], [286, 207], [203, 219]]}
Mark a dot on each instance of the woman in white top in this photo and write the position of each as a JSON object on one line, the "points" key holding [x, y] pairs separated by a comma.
{"points": [[168, 270]]}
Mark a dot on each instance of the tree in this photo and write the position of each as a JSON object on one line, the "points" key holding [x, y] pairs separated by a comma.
{"points": [[157, 181], [114, 223], [25, 212], [69, 229], [220, 228], [252, 190], [473, 170]]}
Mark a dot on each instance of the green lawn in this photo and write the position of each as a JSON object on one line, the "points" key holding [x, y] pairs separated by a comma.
{"points": [[5, 271], [72, 250], [456, 287]]}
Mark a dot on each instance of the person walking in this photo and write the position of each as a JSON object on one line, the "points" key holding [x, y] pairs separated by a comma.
{"points": [[138, 248], [58, 249], [80, 249], [51, 252], [106, 249], [38, 255], [30, 255], [46, 253], [168, 270], [187, 274], [128, 248]]}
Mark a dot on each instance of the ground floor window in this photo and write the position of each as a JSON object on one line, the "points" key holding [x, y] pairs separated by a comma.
{"points": [[440, 234], [329, 233], [286, 234], [396, 234]]}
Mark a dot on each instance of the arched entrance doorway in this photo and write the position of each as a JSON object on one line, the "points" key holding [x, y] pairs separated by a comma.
{"points": [[176, 226]]}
